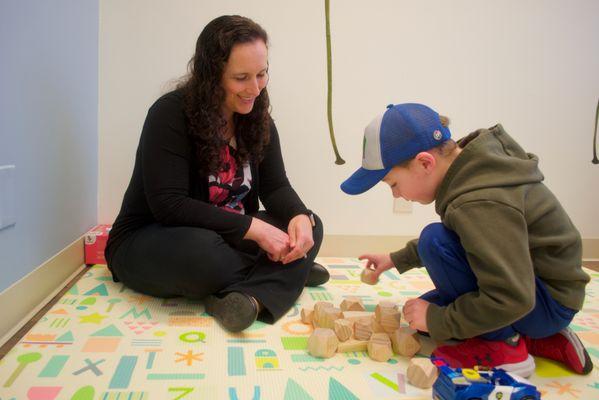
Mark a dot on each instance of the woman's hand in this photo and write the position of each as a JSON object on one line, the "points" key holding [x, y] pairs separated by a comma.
{"points": [[300, 238], [379, 263], [271, 239], [414, 312]]}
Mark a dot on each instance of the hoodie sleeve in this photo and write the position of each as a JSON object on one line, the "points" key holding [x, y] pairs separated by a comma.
{"points": [[407, 258], [494, 236]]}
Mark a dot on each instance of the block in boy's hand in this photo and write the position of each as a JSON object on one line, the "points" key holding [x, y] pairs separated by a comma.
{"points": [[369, 276]]}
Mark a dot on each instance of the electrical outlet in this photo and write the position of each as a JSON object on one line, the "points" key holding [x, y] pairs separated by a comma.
{"points": [[401, 206], [8, 215]]}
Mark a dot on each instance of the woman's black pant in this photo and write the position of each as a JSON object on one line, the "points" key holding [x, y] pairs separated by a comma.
{"points": [[164, 261]]}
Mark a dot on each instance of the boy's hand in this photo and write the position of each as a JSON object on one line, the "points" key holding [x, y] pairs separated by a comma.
{"points": [[379, 263], [414, 312]]}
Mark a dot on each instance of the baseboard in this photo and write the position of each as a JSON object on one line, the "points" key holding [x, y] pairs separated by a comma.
{"points": [[31, 293], [354, 245]]}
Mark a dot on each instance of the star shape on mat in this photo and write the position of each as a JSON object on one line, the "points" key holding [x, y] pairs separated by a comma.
{"points": [[94, 318], [564, 388], [189, 357]]}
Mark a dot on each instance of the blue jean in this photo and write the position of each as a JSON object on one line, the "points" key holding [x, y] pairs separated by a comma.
{"points": [[445, 260]]}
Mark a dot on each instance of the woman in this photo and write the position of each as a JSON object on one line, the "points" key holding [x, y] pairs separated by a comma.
{"points": [[189, 224]]}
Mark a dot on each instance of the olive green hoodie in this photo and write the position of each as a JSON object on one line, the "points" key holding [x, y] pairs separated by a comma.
{"points": [[512, 228]]}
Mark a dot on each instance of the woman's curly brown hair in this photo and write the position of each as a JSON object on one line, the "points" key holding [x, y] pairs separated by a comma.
{"points": [[204, 96]]}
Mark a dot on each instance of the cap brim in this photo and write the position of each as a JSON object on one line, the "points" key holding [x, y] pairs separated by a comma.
{"points": [[362, 180]]}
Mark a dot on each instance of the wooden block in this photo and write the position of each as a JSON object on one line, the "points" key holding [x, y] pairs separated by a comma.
{"points": [[352, 345], [421, 373], [323, 343], [405, 342], [362, 330], [318, 311], [357, 315], [379, 347], [352, 303], [388, 316], [306, 315], [385, 307], [328, 317], [344, 329], [376, 327], [322, 304], [390, 322], [368, 276]]}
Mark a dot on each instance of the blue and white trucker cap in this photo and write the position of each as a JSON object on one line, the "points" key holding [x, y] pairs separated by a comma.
{"points": [[395, 136]]}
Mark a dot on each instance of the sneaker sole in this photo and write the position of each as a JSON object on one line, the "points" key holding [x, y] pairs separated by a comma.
{"points": [[523, 368], [581, 352]]}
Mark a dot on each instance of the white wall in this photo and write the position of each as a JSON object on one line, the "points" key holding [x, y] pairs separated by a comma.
{"points": [[530, 65], [48, 127]]}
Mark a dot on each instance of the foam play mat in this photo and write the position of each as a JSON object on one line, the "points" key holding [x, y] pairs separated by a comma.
{"points": [[104, 341]]}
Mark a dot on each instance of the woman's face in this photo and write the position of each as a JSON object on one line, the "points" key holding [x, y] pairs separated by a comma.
{"points": [[244, 77]]}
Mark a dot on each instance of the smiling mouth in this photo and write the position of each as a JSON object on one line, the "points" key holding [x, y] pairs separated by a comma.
{"points": [[247, 100]]}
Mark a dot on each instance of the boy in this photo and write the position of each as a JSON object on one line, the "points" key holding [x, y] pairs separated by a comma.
{"points": [[505, 259]]}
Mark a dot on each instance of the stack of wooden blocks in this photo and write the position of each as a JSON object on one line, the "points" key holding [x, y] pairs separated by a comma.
{"points": [[351, 328]]}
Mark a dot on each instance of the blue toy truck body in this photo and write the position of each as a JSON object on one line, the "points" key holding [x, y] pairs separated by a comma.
{"points": [[472, 384]]}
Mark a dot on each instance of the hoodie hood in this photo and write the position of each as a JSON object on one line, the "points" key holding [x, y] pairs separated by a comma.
{"points": [[490, 158]]}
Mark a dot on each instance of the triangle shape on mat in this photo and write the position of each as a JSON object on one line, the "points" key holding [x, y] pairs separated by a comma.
{"points": [[67, 337], [100, 289], [339, 392], [73, 290], [293, 391], [110, 330]]}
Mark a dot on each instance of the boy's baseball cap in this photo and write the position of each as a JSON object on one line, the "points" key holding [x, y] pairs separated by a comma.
{"points": [[395, 136]]}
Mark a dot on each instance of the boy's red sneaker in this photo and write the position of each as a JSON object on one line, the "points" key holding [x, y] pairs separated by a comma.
{"points": [[565, 347], [500, 354]]}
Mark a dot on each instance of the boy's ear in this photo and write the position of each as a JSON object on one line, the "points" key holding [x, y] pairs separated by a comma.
{"points": [[426, 160]]}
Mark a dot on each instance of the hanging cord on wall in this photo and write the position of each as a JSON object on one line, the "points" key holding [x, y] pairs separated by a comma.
{"points": [[595, 159], [339, 160]]}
